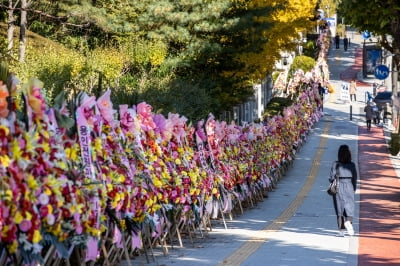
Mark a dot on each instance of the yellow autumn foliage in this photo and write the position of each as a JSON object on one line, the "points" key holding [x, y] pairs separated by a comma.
{"points": [[288, 19]]}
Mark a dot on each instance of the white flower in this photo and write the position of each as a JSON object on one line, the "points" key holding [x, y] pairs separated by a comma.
{"points": [[43, 199], [50, 219]]}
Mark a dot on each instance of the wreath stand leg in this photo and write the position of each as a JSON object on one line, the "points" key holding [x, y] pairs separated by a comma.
{"points": [[147, 240], [222, 213]]}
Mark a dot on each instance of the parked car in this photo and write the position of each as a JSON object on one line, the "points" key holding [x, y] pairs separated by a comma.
{"points": [[382, 98]]}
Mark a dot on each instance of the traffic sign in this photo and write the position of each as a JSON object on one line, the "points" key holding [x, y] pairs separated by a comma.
{"points": [[366, 34], [381, 72]]}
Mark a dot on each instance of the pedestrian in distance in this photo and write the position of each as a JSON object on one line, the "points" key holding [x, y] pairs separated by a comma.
{"points": [[369, 114], [337, 41], [376, 115], [345, 43], [321, 91], [343, 200], [353, 90]]}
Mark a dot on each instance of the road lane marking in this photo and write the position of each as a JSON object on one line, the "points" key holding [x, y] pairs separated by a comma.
{"points": [[252, 245]]}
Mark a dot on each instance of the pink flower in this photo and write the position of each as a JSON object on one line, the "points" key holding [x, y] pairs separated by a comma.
{"points": [[143, 109], [176, 125], [105, 106], [127, 117], [25, 225], [220, 130], [160, 122], [200, 131], [36, 101]]}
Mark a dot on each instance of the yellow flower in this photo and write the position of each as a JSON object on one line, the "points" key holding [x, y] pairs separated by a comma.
{"points": [[4, 160], [193, 177], [178, 181], [36, 236], [12, 248], [46, 147], [122, 224], [149, 203], [117, 197], [18, 218], [98, 145], [177, 161], [157, 183], [140, 218], [16, 149], [72, 208], [47, 191], [45, 134], [32, 184], [71, 153], [28, 216], [5, 129], [62, 165], [7, 195]]}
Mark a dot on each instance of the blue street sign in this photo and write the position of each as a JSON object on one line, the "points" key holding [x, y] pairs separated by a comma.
{"points": [[366, 34], [381, 72]]}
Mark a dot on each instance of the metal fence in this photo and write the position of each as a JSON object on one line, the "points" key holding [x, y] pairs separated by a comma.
{"points": [[253, 109]]}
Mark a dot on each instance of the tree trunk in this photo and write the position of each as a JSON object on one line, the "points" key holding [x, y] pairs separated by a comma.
{"points": [[10, 27], [22, 31]]}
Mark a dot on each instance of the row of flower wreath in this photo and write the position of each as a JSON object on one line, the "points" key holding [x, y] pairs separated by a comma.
{"points": [[63, 190]]}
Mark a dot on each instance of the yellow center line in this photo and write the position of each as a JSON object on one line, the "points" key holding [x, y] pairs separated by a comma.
{"points": [[250, 246]]}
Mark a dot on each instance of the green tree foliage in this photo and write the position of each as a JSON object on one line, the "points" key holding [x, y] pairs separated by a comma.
{"points": [[207, 53], [381, 18]]}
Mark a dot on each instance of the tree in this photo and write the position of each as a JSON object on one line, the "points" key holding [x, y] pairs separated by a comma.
{"points": [[381, 18], [217, 48], [11, 25], [286, 19], [22, 30]]}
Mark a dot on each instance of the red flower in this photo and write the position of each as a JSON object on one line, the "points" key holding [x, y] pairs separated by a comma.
{"points": [[66, 213]]}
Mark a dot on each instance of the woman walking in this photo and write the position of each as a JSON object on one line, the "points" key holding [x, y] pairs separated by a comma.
{"points": [[343, 200], [353, 90]]}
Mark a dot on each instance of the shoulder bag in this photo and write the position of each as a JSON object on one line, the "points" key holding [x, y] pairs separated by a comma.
{"points": [[334, 185]]}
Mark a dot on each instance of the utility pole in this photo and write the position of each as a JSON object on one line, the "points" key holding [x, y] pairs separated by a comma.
{"points": [[395, 77]]}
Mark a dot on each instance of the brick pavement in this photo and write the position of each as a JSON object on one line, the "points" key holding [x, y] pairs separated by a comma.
{"points": [[379, 237]]}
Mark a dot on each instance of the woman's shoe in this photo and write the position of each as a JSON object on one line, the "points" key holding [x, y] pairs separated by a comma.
{"points": [[349, 228], [340, 233]]}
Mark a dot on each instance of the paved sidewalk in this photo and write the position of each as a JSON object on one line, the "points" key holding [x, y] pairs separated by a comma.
{"points": [[380, 202], [296, 224]]}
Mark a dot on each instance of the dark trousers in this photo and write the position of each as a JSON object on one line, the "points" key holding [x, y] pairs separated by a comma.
{"points": [[377, 119], [351, 97], [368, 124]]}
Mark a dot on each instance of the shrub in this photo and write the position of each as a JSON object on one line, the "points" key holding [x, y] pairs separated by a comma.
{"points": [[303, 62], [276, 106], [310, 49]]}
